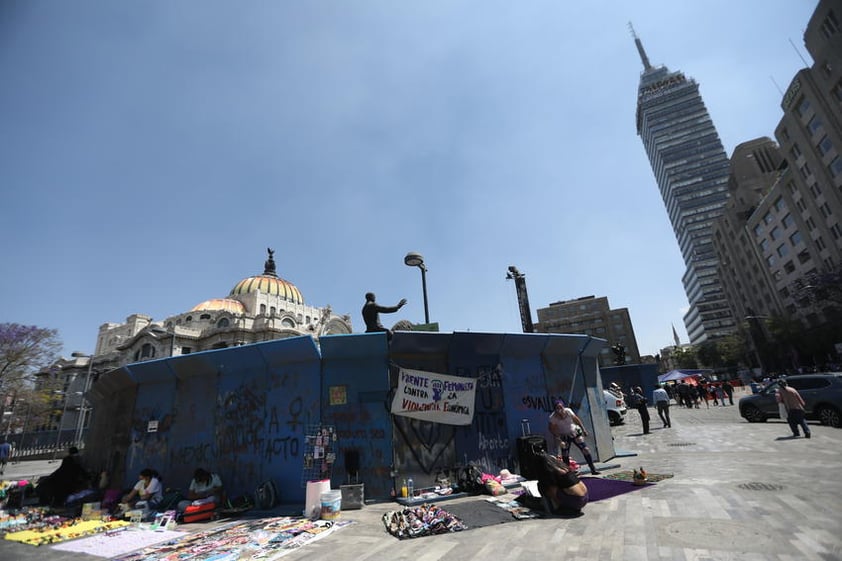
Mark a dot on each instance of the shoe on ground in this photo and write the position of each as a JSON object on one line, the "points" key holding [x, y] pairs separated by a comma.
{"points": [[807, 435], [595, 472]]}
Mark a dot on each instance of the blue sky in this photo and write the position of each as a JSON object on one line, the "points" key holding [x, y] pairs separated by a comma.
{"points": [[151, 151]]}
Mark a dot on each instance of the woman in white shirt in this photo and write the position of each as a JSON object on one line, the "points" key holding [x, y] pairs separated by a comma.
{"points": [[568, 428], [148, 488]]}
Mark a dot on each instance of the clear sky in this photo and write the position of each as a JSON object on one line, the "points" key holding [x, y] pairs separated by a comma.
{"points": [[151, 151]]}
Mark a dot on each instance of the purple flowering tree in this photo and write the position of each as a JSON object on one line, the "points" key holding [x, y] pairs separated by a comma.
{"points": [[25, 350]]}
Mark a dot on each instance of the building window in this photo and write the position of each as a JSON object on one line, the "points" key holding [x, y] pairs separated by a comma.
{"points": [[814, 124], [825, 210], [824, 146], [835, 166], [788, 221], [811, 224], [767, 218], [147, 351], [836, 231], [780, 206], [205, 316], [830, 25], [820, 243], [272, 311], [805, 170], [789, 267], [771, 260], [263, 309], [793, 190], [815, 190], [764, 245], [803, 256], [803, 107], [801, 206], [795, 239], [223, 322], [758, 230], [775, 233], [188, 319], [186, 350], [783, 250], [837, 92]]}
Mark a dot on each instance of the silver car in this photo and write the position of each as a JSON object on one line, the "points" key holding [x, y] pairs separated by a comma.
{"points": [[822, 394]]}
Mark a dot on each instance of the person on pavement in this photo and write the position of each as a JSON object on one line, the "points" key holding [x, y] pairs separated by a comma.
{"points": [[566, 427], [638, 401], [5, 454], [662, 402], [794, 404], [560, 487]]}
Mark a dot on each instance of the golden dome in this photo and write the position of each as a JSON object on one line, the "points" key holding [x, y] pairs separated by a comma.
{"points": [[269, 285], [220, 305]]}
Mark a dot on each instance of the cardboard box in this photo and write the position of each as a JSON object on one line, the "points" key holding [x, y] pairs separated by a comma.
{"points": [[353, 496], [91, 511]]}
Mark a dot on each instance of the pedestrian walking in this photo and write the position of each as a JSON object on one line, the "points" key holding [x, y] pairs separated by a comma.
{"points": [[662, 403], [5, 454], [794, 407], [729, 391], [683, 394], [638, 401], [695, 393]]}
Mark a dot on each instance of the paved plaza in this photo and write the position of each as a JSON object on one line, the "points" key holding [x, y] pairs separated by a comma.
{"points": [[740, 491]]}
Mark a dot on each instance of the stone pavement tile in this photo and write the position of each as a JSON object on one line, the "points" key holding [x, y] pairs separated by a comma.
{"points": [[739, 493]]}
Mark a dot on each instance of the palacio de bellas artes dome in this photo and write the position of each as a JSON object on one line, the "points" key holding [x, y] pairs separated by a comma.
{"points": [[259, 308]]}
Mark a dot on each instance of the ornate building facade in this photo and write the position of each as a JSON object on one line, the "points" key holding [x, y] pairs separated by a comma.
{"points": [[258, 308]]}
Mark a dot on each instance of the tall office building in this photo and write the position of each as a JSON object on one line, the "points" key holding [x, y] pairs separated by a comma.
{"points": [[691, 169]]}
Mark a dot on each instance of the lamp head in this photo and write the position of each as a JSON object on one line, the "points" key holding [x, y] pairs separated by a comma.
{"points": [[413, 259]]}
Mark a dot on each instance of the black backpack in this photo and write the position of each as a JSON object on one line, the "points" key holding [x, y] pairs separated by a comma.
{"points": [[470, 479], [266, 495]]}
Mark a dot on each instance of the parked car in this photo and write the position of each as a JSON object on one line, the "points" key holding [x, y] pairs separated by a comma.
{"points": [[822, 393], [616, 408]]}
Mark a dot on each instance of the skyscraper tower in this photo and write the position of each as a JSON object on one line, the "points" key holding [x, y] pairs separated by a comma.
{"points": [[691, 169]]}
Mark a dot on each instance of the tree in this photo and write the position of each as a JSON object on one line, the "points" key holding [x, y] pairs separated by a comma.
{"points": [[685, 358], [709, 354], [24, 350]]}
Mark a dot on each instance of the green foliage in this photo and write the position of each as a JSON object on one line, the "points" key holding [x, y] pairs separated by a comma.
{"points": [[685, 358]]}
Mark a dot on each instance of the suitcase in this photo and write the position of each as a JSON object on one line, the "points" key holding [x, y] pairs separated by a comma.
{"points": [[197, 513], [529, 448]]}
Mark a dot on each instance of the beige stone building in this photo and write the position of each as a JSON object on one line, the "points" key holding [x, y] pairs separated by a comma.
{"points": [[593, 316]]}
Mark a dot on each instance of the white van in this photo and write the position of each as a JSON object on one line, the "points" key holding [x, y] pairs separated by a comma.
{"points": [[616, 408]]}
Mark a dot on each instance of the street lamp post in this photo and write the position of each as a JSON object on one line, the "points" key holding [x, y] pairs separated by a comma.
{"points": [[58, 430], [83, 402], [757, 340], [413, 259]]}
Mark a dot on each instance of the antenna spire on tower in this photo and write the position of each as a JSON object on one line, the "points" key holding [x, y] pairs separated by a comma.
{"points": [[639, 45]]}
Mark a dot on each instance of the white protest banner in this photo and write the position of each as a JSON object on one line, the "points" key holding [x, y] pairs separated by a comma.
{"points": [[439, 398]]}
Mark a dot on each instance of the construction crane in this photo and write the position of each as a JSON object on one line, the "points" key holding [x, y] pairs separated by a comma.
{"points": [[522, 298]]}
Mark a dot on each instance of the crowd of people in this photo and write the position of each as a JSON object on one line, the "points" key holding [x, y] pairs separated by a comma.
{"points": [[72, 484]]}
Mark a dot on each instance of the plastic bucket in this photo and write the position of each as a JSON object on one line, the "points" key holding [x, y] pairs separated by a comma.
{"points": [[331, 504]]}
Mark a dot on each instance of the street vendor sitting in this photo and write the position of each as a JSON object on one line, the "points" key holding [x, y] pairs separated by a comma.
{"points": [[147, 492], [206, 487]]}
